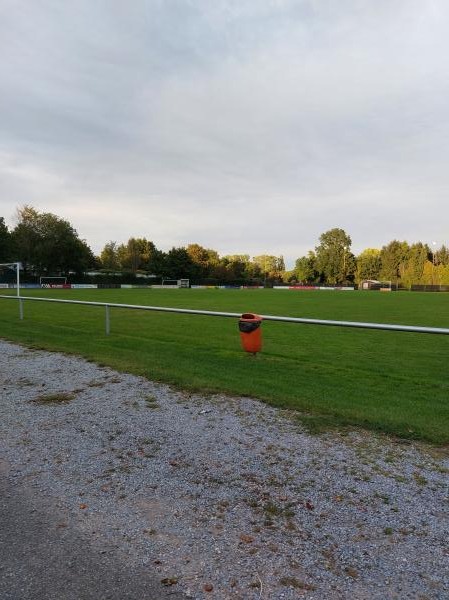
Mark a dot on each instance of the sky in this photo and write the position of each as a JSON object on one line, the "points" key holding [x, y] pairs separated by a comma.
{"points": [[247, 126]]}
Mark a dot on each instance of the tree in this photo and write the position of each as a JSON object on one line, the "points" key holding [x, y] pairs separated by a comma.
{"points": [[26, 237], [412, 268], [5, 242], [443, 274], [442, 256], [305, 268], [200, 260], [109, 258], [178, 264], [333, 257], [392, 256], [236, 266], [272, 267], [156, 263], [214, 264], [49, 244], [130, 255], [368, 264], [148, 253], [137, 254]]}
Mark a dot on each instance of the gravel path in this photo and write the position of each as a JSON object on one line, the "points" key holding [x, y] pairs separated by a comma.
{"points": [[220, 497]]}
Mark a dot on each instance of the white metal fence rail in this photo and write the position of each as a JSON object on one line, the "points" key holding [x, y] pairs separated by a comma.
{"points": [[108, 305]]}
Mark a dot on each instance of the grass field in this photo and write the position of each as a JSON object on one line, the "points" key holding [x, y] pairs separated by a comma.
{"points": [[393, 382]]}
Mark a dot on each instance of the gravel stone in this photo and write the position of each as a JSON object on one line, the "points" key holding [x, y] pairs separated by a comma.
{"points": [[223, 497]]}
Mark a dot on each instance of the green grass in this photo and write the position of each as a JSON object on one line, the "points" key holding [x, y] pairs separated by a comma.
{"points": [[387, 381]]}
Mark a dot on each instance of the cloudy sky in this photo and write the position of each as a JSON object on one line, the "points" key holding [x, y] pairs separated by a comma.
{"points": [[248, 126]]}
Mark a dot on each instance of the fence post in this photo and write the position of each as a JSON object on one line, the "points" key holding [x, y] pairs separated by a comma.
{"points": [[108, 321], [21, 309]]}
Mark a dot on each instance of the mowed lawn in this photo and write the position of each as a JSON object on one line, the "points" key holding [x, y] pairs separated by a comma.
{"points": [[388, 381]]}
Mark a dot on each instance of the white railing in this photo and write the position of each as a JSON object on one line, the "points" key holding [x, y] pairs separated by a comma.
{"points": [[108, 305]]}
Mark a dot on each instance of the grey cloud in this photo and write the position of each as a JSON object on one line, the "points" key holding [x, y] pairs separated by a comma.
{"points": [[177, 120]]}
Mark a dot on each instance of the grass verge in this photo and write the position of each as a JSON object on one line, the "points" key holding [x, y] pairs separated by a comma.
{"points": [[392, 382]]}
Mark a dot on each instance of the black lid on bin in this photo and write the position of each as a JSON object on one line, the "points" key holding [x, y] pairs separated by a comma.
{"points": [[249, 326]]}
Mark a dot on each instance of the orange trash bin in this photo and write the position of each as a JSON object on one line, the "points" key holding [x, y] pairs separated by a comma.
{"points": [[251, 332]]}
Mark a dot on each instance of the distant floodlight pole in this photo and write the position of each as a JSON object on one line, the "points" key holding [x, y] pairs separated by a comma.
{"points": [[434, 262], [344, 263]]}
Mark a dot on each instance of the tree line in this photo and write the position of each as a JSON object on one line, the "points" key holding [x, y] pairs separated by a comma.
{"points": [[48, 245], [192, 261], [404, 264]]}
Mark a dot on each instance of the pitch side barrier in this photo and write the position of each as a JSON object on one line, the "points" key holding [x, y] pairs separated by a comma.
{"points": [[108, 305]]}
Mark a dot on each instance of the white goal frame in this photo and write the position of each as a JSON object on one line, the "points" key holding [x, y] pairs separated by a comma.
{"points": [[17, 265], [380, 286], [175, 283], [44, 285]]}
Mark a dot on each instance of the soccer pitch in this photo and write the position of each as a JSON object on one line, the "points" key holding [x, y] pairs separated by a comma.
{"points": [[392, 382]]}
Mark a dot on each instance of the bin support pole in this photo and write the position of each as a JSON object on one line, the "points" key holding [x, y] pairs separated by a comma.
{"points": [[108, 320]]}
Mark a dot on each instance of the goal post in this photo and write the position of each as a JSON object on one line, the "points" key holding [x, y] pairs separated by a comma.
{"points": [[14, 266], [385, 286], [175, 283], [50, 282], [375, 284]]}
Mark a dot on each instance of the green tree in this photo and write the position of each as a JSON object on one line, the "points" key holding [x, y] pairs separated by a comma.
{"points": [[200, 260], [148, 253], [443, 274], [236, 267], [272, 267], [109, 258], [392, 256], [178, 264], [333, 256], [130, 255], [138, 254], [305, 268], [156, 263], [214, 264], [49, 244], [243, 258], [26, 236], [442, 256], [412, 268], [5, 242], [368, 264]]}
